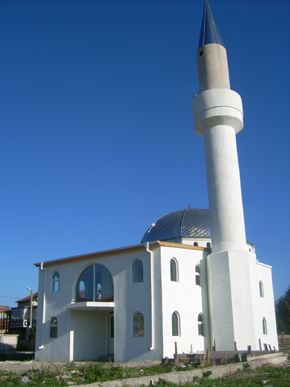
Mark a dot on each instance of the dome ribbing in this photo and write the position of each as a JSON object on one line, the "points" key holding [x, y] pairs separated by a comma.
{"points": [[189, 223]]}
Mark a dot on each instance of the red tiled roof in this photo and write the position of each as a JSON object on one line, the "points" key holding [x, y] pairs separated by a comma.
{"points": [[28, 298], [4, 308]]}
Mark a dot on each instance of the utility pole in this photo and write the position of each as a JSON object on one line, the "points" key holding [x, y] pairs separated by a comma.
{"points": [[31, 300]]}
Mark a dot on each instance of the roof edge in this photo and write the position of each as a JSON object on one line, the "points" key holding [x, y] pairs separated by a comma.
{"points": [[117, 251]]}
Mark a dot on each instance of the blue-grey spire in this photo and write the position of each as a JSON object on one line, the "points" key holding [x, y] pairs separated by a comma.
{"points": [[209, 32]]}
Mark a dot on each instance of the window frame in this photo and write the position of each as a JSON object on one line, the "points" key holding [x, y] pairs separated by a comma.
{"points": [[135, 273], [261, 289], [53, 327], [174, 270], [175, 324], [55, 281], [197, 275], [135, 328], [200, 325], [93, 293], [264, 325]]}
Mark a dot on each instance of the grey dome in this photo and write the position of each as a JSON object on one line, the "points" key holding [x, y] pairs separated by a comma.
{"points": [[189, 223]]}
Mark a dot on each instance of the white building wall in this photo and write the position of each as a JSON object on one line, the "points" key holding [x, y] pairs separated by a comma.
{"points": [[184, 297], [94, 345], [77, 327], [129, 298], [230, 299], [267, 307]]}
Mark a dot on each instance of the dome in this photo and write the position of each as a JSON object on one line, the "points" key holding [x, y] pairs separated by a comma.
{"points": [[189, 223]]}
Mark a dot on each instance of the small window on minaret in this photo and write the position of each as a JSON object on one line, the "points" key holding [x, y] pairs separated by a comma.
{"points": [[200, 325], [264, 323], [261, 289], [195, 244], [197, 275]]}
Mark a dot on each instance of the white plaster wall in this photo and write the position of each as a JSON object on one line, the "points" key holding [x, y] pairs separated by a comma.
{"points": [[224, 189], [266, 307], [132, 298], [94, 345], [128, 299], [185, 297], [230, 298]]}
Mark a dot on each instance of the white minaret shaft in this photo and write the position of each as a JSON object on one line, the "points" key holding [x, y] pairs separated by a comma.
{"points": [[218, 116]]}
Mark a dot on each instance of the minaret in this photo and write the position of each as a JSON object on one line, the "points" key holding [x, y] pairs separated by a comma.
{"points": [[218, 117]]}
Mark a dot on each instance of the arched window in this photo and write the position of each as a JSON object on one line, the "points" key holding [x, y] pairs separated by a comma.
{"points": [[174, 270], [137, 271], [197, 275], [95, 284], [208, 245], [195, 244], [200, 325], [55, 282], [175, 324], [53, 327], [264, 323], [138, 325], [261, 289]]}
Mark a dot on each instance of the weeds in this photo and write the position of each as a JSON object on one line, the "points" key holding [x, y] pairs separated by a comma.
{"points": [[91, 372]]}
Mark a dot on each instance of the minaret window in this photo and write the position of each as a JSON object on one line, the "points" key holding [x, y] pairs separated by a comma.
{"points": [[197, 275], [138, 325], [174, 270], [137, 271], [264, 323], [175, 324], [200, 325], [261, 289], [55, 282]]}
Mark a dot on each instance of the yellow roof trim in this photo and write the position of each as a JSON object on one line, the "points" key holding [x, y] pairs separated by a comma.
{"points": [[121, 250]]}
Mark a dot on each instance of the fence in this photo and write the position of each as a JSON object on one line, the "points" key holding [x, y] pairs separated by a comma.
{"points": [[284, 338]]}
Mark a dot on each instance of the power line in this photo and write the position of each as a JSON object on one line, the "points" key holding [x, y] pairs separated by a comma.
{"points": [[10, 297]]}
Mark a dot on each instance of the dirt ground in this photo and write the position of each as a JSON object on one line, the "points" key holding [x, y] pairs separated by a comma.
{"points": [[23, 366]]}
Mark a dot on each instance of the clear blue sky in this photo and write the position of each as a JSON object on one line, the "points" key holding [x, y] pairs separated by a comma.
{"points": [[97, 139]]}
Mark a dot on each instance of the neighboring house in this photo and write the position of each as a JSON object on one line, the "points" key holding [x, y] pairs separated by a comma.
{"points": [[5, 314], [19, 323]]}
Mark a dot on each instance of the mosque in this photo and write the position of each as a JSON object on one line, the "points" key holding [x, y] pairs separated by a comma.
{"points": [[192, 280]]}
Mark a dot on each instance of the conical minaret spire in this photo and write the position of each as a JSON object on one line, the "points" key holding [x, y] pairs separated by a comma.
{"points": [[209, 32]]}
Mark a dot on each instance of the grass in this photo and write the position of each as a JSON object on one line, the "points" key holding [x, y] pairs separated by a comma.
{"points": [[90, 372]]}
